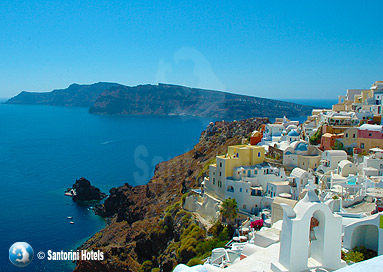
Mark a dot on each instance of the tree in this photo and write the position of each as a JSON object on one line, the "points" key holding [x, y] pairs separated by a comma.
{"points": [[316, 138], [229, 209]]}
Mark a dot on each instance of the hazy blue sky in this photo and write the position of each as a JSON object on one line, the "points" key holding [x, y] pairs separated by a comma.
{"points": [[277, 49]]}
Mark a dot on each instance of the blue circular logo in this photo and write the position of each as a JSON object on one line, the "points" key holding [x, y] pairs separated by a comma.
{"points": [[20, 254]]}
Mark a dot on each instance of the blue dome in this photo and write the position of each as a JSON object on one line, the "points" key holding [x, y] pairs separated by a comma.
{"points": [[301, 147], [293, 133]]}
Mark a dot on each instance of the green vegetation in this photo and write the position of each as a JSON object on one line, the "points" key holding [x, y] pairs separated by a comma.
{"points": [[316, 138], [178, 239], [146, 267], [229, 209], [354, 256], [359, 254], [194, 261], [338, 145]]}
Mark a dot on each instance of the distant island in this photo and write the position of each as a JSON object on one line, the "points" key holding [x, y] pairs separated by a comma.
{"points": [[161, 100]]}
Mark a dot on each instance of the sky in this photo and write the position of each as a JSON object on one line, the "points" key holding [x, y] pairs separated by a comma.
{"points": [[275, 49]]}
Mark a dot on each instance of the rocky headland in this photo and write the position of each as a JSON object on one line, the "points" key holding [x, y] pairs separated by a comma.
{"points": [[76, 95], [162, 100], [147, 225]]}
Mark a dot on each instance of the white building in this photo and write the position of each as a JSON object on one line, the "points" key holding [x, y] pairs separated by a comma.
{"points": [[249, 186], [299, 178], [330, 160], [301, 154], [272, 133]]}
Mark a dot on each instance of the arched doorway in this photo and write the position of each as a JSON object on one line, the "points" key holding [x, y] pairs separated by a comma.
{"points": [[365, 235]]}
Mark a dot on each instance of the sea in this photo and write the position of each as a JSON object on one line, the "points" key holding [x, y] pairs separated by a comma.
{"points": [[44, 149]]}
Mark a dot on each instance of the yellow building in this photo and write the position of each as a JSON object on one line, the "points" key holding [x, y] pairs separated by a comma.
{"points": [[237, 155], [350, 137], [240, 155]]}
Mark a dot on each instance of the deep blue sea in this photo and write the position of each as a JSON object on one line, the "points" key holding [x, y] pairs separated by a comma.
{"points": [[43, 150]]}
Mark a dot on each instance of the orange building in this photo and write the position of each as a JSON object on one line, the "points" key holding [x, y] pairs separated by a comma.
{"points": [[328, 140]]}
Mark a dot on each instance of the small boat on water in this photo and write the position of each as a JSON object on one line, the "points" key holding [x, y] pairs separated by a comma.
{"points": [[70, 192], [71, 222], [70, 217]]}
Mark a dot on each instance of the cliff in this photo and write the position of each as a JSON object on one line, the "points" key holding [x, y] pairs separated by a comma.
{"points": [[75, 95], [144, 221], [162, 99], [165, 99]]}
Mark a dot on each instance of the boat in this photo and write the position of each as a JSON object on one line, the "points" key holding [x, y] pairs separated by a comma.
{"points": [[70, 217], [71, 222], [70, 192]]}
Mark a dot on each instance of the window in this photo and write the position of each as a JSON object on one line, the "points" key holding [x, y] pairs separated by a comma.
{"points": [[240, 190], [247, 190], [370, 134], [220, 164], [361, 145], [353, 135], [255, 172], [244, 207], [213, 181], [220, 173], [259, 154], [346, 135]]}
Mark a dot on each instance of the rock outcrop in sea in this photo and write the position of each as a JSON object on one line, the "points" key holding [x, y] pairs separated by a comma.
{"points": [[84, 191]]}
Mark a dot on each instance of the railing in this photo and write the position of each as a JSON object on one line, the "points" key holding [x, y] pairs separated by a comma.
{"points": [[217, 261]]}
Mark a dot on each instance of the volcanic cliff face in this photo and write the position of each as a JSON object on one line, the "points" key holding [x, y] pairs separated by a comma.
{"points": [[75, 95], [161, 99], [165, 99], [133, 211]]}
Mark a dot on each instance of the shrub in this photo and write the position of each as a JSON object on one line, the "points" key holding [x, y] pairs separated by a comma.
{"points": [[194, 261], [354, 256], [216, 229], [157, 269], [187, 250], [146, 266], [367, 253]]}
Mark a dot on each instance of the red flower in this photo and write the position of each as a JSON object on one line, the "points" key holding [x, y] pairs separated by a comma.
{"points": [[257, 224]]}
